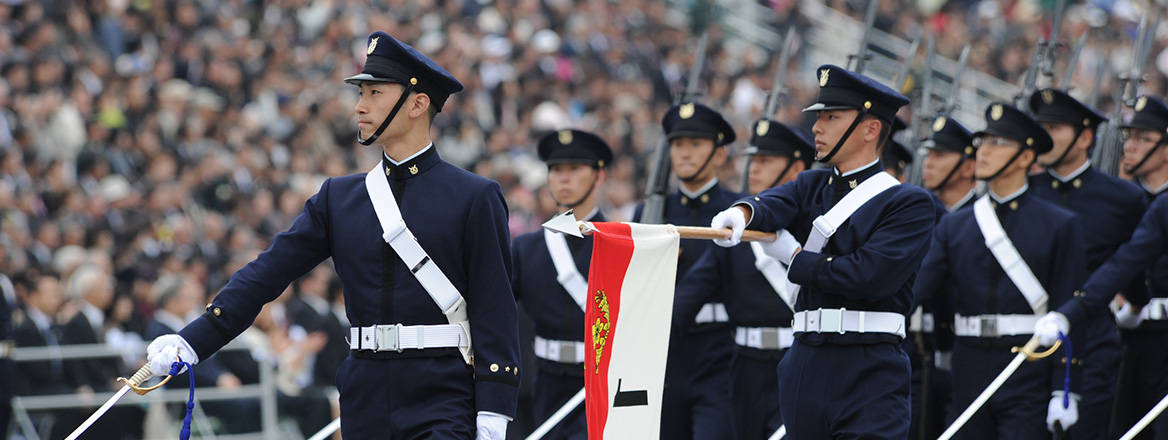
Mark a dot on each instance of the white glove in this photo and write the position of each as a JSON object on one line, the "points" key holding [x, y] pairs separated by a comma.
{"points": [[490, 426], [1066, 417], [1127, 318], [1049, 326], [165, 350], [783, 248], [729, 219]]}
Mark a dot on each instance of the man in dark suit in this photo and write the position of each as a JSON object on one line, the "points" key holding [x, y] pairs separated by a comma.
{"points": [[422, 249]]}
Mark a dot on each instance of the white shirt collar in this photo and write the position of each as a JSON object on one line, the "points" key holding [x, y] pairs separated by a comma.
{"points": [[168, 319], [968, 196], [93, 314], [1025, 186], [869, 165], [419, 153], [595, 210], [701, 190], [1153, 190], [1074, 174], [42, 321]]}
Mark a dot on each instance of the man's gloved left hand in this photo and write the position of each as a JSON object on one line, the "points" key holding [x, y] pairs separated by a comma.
{"points": [[491, 426], [783, 248], [1065, 417], [1049, 326]]}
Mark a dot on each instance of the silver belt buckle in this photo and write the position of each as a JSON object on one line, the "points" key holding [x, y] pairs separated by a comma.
{"points": [[770, 339], [831, 320], [989, 326], [388, 337]]}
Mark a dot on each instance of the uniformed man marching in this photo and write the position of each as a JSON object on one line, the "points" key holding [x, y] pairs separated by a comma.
{"points": [[550, 276], [1141, 262], [948, 173], [421, 248], [696, 401], [1108, 207], [846, 373], [754, 288], [998, 267]]}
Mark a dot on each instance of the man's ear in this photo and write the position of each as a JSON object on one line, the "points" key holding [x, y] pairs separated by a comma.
{"points": [[419, 105]]}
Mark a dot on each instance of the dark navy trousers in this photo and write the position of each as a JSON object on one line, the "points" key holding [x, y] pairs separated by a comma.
{"points": [[551, 392], [406, 399], [696, 399], [1100, 366], [844, 392], [1016, 411], [754, 385], [1143, 383]]}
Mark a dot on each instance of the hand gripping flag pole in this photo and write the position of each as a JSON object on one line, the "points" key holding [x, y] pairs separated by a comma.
{"points": [[134, 383], [566, 223]]}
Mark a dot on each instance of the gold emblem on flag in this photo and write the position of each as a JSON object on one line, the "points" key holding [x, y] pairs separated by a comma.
{"points": [[565, 137], [1141, 103], [372, 46], [823, 78], [939, 124], [763, 127], [686, 111], [996, 112], [600, 327]]}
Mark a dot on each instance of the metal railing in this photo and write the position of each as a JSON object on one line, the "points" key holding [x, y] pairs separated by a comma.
{"points": [[265, 390]]}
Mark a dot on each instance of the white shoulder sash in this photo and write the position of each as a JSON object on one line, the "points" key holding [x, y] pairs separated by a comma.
{"points": [[1007, 255]]}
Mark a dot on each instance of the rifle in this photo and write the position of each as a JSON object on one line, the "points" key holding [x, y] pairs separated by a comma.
{"points": [[1108, 153], [1042, 60], [658, 184], [862, 54], [776, 95], [1073, 63], [1052, 42]]}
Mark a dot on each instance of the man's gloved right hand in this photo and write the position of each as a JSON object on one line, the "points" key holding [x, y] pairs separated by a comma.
{"points": [[167, 349], [1127, 317], [732, 219]]}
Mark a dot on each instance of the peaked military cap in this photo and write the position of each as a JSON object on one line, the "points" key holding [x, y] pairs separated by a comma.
{"points": [[840, 89], [1151, 114], [1050, 105], [692, 119], [949, 135], [574, 146], [389, 60], [1007, 121], [896, 153], [774, 137]]}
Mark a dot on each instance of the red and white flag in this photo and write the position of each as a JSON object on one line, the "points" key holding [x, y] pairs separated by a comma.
{"points": [[630, 287]]}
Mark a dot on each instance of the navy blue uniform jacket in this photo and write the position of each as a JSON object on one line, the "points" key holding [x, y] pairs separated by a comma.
{"points": [[459, 218]]}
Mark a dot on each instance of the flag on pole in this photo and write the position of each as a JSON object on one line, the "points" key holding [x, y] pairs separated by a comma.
{"points": [[630, 287]]}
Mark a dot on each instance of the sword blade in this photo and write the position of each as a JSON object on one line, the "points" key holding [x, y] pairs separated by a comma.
{"points": [[782, 432], [983, 397], [97, 414]]}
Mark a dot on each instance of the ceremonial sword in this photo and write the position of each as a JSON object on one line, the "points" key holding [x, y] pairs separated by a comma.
{"points": [[134, 383], [1025, 353]]}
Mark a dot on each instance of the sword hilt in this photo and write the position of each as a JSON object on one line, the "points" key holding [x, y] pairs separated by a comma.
{"points": [[142, 375], [1031, 347]]}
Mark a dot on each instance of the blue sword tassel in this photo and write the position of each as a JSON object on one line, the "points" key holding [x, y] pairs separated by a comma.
{"points": [[1067, 376], [175, 368]]}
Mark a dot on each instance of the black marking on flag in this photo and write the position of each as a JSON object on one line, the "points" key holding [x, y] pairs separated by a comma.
{"points": [[629, 398]]}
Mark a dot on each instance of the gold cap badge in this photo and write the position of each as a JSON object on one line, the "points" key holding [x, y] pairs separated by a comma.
{"points": [[762, 128], [372, 46], [996, 112], [1141, 103], [565, 137], [1048, 96], [939, 124], [823, 78], [686, 111]]}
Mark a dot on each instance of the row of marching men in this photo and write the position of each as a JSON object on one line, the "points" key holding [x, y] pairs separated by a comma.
{"points": [[877, 294]]}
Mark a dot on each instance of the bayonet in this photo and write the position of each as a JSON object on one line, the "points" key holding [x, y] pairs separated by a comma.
{"points": [[862, 54], [775, 96], [1073, 62]]}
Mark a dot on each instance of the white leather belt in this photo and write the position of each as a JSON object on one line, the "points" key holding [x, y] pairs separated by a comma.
{"points": [[397, 337], [764, 338], [568, 352], [712, 312], [1156, 310], [5, 349], [992, 326], [848, 321], [920, 321]]}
